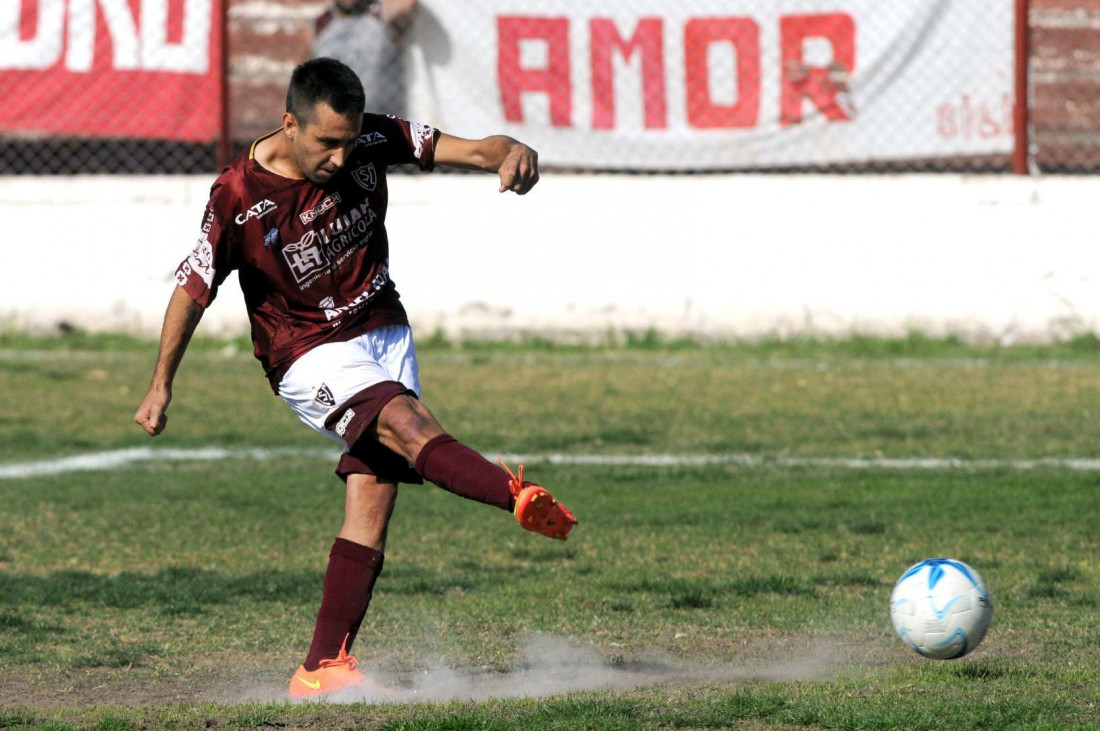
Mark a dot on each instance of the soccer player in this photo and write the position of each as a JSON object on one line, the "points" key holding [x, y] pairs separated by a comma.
{"points": [[301, 217]]}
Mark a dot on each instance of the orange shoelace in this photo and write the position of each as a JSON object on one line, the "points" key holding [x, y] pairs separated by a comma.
{"points": [[516, 485], [347, 660]]}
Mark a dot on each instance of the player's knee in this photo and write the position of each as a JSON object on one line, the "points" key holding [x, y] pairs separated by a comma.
{"points": [[405, 425], [370, 494]]}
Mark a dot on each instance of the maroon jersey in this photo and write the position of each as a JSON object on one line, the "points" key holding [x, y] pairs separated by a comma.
{"points": [[313, 260]]}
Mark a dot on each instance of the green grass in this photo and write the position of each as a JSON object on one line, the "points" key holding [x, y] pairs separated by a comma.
{"points": [[157, 595], [821, 398]]}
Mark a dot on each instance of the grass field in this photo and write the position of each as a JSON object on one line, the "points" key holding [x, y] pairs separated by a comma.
{"points": [[738, 594]]}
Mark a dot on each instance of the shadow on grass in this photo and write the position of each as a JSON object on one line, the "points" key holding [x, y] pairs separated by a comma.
{"points": [[22, 634], [189, 591], [988, 668], [175, 590], [682, 593], [702, 594]]}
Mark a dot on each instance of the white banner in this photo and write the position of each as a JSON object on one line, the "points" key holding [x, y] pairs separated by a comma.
{"points": [[719, 84]]}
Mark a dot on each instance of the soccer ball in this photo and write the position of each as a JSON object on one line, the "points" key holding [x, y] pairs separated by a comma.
{"points": [[941, 608]]}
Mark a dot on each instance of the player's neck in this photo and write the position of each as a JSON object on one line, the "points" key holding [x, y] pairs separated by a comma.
{"points": [[274, 155]]}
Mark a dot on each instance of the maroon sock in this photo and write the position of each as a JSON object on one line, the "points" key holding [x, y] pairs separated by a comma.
{"points": [[457, 468], [349, 582]]}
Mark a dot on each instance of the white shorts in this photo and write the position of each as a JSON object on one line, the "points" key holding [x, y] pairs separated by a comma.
{"points": [[324, 378]]}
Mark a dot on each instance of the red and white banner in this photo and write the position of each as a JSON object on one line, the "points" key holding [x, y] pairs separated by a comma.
{"points": [[111, 68], [699, 84]]}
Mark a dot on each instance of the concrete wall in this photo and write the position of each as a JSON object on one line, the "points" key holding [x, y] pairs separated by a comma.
{"points": [[722, 256]]}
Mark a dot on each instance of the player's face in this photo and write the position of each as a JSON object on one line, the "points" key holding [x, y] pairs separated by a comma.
{"points": [[322, 145]]}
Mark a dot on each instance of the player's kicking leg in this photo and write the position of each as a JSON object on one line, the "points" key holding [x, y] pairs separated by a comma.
{"points": [[406, 426]]}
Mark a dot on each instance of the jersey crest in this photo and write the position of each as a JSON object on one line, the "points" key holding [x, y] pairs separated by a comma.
{"points": [[366, 177]]}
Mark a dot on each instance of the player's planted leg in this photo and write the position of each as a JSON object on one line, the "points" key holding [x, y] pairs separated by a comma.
{"points": [[355, 563], [330, 676], [333, 676]]}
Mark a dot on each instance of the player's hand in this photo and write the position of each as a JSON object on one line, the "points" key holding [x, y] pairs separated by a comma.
{"points": [[520, 170], [151, 415]]}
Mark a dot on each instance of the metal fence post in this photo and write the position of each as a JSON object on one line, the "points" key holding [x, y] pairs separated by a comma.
{"points": [[223, 134], [1021, 116]]}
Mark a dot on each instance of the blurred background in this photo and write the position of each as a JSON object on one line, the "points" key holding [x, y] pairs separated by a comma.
{"points": [[853, 123], [155, 85]]}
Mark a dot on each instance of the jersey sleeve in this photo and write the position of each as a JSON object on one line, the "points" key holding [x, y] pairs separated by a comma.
{"points": [[408, 142], [210, 262]]}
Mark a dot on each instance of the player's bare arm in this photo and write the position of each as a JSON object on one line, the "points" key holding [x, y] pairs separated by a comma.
{"points": [[516, 163], [180, 320]]}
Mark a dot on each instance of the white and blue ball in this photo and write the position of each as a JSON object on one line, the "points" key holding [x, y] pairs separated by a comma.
{"points": [[941, 608]]}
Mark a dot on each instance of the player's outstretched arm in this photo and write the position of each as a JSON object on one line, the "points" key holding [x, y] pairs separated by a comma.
{"points": [[180, 320], [516, 163]]}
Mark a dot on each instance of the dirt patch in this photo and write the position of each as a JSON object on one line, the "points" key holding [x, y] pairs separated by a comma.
{"points": [[204, 679], [551, 666]]}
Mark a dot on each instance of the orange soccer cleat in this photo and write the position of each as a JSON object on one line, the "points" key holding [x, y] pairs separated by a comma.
{"points": [[340, 673], [537, 510]]}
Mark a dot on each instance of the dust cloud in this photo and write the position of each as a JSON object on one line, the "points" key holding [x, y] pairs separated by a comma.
{"points": [[554, 665]]}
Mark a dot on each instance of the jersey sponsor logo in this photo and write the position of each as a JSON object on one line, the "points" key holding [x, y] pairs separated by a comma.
{"points": [[305, 257], [342, 425], [366, 177], [326, 203], [271, 237], [321, 249], [200, 261], [327, 303], [324, 396], [421, 133], [332, 312], [370, 139], [208, 222], [259, 210]]}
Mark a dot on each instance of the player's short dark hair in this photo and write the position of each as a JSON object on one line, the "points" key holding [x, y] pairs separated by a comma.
{"points": [[324, 80]]}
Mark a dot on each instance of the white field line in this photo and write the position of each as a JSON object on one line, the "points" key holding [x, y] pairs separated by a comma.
{"points": [[110, 460], [103, 461]]}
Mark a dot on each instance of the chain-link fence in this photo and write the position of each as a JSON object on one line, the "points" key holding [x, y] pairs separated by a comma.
{"points": [[139, 86], [110, 85]]}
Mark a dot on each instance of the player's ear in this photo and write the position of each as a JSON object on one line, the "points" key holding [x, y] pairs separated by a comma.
{"points": [[290, 125]]}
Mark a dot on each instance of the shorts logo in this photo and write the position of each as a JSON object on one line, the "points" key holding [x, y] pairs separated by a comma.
{"points": [[259, 210], [342, 425], [324, 396], [326, 203], [365, 176]]}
